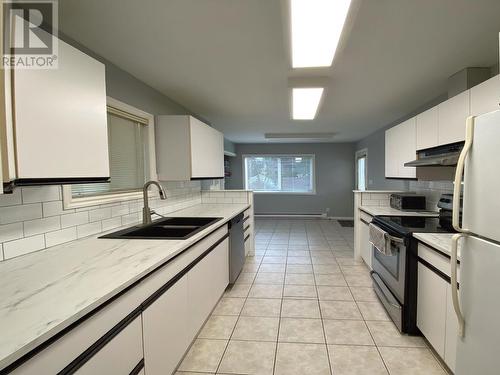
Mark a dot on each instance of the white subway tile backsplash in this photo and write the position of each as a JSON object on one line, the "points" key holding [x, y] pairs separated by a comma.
{"points": [[23, 246], [100, 214], [54, 208], [112, 223], [36, 194], [13, 199], [48, 224], [12, 214], [77, 218], [88, 229], [9, 232], [33, 218], [60, 236]]}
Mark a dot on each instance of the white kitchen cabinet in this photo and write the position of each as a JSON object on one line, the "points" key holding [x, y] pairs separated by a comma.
{"points": [[451, 332], [431, 307], [186, 148], [485, 97], [427, 129], [206, 283], [400, 148], [452, 114], [59, 118], [120, 355], [365, 245], [165, 325]]}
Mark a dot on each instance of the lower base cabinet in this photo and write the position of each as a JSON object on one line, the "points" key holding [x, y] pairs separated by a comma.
{"points": [[435, 314], [366, 247], [172, 321], [165, 329]]}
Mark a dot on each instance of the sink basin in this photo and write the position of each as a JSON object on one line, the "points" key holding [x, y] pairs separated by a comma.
{"points": [[169, 228]]}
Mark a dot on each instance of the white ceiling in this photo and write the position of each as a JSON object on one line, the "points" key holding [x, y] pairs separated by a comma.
{"points": [[229, 60]]}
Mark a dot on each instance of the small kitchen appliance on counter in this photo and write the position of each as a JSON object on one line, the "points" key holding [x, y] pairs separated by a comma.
{"points": [[408, 202]]}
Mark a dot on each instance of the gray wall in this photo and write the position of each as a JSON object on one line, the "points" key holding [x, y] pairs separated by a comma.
{"points": [[334, 179]]}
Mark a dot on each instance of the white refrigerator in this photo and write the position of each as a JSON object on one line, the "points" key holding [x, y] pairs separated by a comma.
{"points": [[477, 300]]}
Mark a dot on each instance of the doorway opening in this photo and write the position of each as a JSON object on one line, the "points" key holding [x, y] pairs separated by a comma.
{"points": [[361, 158]]}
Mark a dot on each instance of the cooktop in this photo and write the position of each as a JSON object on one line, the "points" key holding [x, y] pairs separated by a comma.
{"points": [[411, 224]]}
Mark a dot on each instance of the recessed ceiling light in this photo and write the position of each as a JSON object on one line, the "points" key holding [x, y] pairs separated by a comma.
{"points": [[305, 102], [316, 29]]}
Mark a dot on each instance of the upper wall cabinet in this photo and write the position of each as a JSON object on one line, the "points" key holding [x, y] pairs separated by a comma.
{"points": [[427, 129], [187, 148], [485, 97], [57, 131], [400, 147], [452, 114]]}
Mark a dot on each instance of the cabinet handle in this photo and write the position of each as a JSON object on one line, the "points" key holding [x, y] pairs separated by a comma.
{"points": [[469, 136], [454, 287]]}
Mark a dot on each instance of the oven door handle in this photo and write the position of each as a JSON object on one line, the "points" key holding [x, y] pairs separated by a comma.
{"points": [[392, 238]]}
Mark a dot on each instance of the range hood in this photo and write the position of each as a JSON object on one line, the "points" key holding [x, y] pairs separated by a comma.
{"points": [[441, 156]]}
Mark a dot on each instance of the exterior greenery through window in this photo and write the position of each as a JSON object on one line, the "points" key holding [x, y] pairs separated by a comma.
{"points": [[279, 173]]}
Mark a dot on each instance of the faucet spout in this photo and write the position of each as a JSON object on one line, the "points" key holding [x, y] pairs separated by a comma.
{"points": [[146, 212]]}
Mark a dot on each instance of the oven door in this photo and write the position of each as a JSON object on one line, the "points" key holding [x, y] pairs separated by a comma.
{"points": [[390, 266]]}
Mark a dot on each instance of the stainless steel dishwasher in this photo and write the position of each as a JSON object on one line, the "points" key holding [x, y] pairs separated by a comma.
{"points": [[236, 248]]}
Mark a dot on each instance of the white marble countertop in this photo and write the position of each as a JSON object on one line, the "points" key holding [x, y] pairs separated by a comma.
{"points": [[389, 211], [439, 241], [44, 292]]}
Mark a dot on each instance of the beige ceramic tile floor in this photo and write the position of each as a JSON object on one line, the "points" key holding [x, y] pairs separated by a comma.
{"points": [[303, 305]]}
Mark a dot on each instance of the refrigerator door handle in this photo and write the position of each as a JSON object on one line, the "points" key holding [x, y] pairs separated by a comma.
{"points": [[469, 135], [454, 285]]}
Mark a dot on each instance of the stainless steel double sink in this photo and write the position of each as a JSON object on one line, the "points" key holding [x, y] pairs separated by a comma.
{"points": [[168, 228]]}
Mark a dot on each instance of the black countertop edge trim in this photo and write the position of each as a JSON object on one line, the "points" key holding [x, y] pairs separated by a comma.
{"points": [[137, 369], [24, 358], [364, 221], [437, 271], [93, 349], [436, 249], [402, 178], [247, 237], [206, 178]]}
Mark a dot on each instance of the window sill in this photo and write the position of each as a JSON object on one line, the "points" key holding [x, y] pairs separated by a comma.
{"points": [[78, 202]]}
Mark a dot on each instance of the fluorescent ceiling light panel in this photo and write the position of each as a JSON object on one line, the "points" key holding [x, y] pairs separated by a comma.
{"points": [[316, 29], [305, 102]]}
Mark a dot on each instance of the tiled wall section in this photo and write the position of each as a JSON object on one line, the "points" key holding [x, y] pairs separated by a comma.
{"points": [[432, 190], [224, 196], [32, 218], [375, 199]]}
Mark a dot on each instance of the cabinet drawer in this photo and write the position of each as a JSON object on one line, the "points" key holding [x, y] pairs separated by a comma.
{"points": [[120, 355], [436, 259], [364, 216]]}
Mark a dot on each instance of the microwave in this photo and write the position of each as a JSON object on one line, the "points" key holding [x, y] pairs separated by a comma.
{"points": [[408, 202]]}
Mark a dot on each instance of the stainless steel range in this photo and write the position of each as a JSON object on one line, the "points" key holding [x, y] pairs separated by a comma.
{"points": [[394, 265]]}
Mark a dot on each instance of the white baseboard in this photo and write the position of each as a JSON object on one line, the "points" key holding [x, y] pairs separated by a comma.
{"points": [[297, 216], [341, 218]]}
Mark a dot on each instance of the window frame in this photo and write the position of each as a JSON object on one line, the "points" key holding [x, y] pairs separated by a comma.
{"points": [[93, 200], [313, 177]]}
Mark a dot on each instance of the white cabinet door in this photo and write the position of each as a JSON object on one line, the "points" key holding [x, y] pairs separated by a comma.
{"points": [[407, 149], [485, 97], [450, 345], [120, 355], [207, 151], [451, 118], [206, 283], [365, 245], [391, 152], [427, 129], [60, 119], [165, 325], [431, 307]]}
